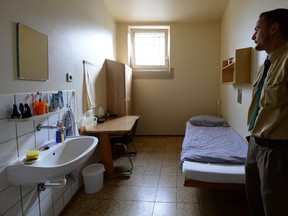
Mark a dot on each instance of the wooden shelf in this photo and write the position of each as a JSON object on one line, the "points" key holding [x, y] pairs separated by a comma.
{"points": [[229, 66], [36, 117], [239, 71]]}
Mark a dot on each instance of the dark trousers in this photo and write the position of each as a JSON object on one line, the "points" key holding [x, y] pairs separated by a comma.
{"points": [[267, 180]]}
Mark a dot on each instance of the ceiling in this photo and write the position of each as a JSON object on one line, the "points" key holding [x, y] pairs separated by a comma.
{"points": [[172, 11]]}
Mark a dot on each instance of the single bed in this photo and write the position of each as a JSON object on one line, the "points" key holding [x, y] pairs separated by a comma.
{"points": [[213, 154]]}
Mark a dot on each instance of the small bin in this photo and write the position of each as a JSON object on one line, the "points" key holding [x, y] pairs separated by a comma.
{"points": [[93, 178]]}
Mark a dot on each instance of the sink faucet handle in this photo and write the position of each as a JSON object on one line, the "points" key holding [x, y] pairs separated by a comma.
{"points": [[39, 127], [60, 126]]}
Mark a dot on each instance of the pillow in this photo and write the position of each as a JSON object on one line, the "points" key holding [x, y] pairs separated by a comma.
{"points": [[207, 121]]}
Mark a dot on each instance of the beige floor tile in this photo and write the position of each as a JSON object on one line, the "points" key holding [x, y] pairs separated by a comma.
{"points": [[96, 207], [168, 181], [152, 170], [187, 195], [166, 194], [169, 170], [155, 188], [141, 161], [138, 169], [146, 194], [170, 162], [119, 208], [142, 209], [157, 152], [155, 161], [180, 180], [134, 180], [187, 209], [125, 192], [150, 180], [164, 209]]}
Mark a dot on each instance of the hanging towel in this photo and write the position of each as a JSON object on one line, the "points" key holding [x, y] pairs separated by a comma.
{"points": [[70, 123], [91, 73]]}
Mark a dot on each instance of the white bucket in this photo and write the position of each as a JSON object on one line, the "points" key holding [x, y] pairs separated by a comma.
{"points": [[93, 178]]}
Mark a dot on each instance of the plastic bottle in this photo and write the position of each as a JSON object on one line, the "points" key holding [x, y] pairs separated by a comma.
{"points": [[58, 136], [89, 120]]}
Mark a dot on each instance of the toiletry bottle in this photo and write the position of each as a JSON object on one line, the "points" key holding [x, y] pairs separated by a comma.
{"points": [[58, 136]]}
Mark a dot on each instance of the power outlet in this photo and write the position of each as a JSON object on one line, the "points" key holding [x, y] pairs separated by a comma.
{"points": [[69, 77], [239, 96]]}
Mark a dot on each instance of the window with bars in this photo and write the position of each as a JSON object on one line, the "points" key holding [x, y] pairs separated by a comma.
{"points": [[149, 48]]}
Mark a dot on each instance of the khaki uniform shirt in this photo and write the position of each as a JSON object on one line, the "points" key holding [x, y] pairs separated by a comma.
{"points": [[272, 119]]}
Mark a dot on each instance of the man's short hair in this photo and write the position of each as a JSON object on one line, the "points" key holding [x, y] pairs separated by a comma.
{"points": [[279, 16]]}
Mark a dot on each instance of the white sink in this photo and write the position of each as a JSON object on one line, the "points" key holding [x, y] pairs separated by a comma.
{"points": [[55, 160]]}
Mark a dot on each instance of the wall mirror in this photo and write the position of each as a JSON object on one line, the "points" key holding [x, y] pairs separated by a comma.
{"points": [[32, 53]]}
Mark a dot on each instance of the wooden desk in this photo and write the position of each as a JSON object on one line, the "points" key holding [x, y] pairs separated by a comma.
{"points": [[114, 125]]}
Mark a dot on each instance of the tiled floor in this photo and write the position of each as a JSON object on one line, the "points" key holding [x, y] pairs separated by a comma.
{"points": [[156, 188]]}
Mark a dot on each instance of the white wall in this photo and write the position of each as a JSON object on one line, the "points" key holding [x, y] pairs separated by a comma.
{"points": [[166, 104], [76, 30], [237, 28]]}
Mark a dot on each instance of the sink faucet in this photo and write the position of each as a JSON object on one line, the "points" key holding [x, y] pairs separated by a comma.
{"points": [[59, 126]]}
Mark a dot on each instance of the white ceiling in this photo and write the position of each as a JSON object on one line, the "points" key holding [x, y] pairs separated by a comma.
{"points": [[166, 10]]}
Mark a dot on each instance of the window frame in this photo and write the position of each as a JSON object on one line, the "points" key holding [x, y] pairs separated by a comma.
{"points": [[149, 71]]}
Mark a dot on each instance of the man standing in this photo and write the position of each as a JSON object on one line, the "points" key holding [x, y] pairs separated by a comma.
{"points": [[267, 159]]}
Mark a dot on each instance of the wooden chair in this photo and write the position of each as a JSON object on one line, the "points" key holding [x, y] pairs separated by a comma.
{"points": [[124, 140]]}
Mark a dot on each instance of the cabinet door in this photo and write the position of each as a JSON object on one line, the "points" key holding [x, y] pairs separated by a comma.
{"points": [[115, 72]]}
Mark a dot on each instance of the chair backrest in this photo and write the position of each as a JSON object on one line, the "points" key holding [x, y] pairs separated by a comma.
{"points": [[130, 135]]}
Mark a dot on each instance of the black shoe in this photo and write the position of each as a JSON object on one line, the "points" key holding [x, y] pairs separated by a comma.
{"points": [[22, 109], [27, 111], [16, 113]]}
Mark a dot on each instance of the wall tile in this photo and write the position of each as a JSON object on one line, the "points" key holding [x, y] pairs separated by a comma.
{"points": [[42, 137], [34, 211], [8, 152], [57, 193], [44, 193], [26, 189], [26, 143], [75, 187], [52, 134], [67, 195], [7, 130], [69, 96], [6, 105], [3, 179], [24, 127], [65, 98], [58, 206], [30, 200], [49, 212], [9, 198], [53, 119], [15, 210], [46, 203]]}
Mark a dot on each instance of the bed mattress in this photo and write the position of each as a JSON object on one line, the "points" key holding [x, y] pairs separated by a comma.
{"points": [[213, 154], [214, 173]]}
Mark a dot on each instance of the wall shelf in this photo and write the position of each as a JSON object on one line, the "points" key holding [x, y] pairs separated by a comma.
{"points": [[37, 117], [239, 71]]}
